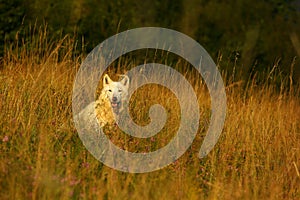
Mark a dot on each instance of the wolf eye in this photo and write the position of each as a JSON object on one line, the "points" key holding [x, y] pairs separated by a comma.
{"points": [[120, 90], [109, 90]]}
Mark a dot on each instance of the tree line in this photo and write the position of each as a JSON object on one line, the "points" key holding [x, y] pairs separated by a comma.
{"points": [[247, 34]]}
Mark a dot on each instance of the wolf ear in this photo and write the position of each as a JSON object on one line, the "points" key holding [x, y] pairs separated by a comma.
{"points": [[125, 81], [106, 80]]}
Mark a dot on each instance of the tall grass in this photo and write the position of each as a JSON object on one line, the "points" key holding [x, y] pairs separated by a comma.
{"points": [[257, 156]]}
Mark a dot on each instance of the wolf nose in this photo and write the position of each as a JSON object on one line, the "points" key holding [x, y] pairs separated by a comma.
{"points": [[114, 98]]}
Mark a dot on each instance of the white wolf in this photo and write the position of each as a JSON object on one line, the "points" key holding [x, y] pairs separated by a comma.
{"points": [[108, 106]]}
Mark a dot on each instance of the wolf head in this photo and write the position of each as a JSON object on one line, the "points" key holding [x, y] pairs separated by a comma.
{"points": [[116, 92]]}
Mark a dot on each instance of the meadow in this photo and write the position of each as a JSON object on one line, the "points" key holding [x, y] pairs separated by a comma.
{"points": [[256, 157]]}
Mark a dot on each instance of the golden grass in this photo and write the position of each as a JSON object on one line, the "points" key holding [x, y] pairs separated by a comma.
{"points": [[257, 156]]}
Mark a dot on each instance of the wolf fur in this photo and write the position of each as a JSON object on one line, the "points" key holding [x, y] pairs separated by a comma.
{"points": [[108, 106]]}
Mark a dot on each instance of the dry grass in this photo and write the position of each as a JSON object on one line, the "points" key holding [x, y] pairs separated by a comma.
{"points": [[257, 156]]}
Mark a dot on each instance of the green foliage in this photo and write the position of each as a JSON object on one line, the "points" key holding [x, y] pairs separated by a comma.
{"points": [[256, 32], [11, 15]]}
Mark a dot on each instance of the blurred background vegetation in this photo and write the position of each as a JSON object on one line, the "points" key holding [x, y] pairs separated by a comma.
{"points": [[244, 36]]}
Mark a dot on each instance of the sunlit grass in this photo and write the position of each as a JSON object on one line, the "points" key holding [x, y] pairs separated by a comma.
{"points": [[257, 156]]}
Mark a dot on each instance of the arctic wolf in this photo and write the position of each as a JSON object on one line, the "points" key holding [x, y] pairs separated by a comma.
{"points": [[108, 106]]}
